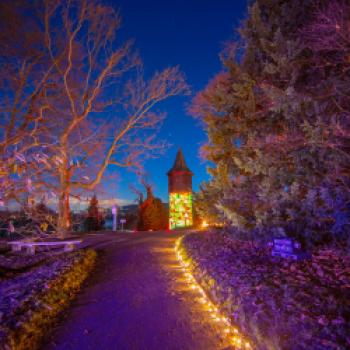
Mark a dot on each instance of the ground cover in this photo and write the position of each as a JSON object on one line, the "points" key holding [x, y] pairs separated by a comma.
{"points": [[278, 304], [32, 298]]}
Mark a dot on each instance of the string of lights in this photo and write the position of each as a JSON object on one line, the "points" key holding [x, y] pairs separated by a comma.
{"points": [[236, 339]]}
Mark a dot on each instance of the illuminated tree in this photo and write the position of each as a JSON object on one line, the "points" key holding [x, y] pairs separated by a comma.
{"points": [[79, 101], [24, 80], [328, 39], [96, 75], [203, 207], [152, 212], [277, 121]]}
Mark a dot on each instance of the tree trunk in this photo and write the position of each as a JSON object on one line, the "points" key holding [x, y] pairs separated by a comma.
{"points": [[64, 217]]}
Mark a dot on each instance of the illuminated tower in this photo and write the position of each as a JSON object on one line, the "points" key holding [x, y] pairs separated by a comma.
{"points": [[180, 193]]}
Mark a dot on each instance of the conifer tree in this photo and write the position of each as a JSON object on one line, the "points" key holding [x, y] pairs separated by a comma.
{"points": [[277, 125], [94, 221]]}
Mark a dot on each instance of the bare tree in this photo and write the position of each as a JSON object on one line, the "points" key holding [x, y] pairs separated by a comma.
{"points": [[74, 100], [100, 107], [24, 76]]}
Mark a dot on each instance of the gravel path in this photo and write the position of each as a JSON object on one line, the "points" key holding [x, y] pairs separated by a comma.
{"points": [[136, 300]]}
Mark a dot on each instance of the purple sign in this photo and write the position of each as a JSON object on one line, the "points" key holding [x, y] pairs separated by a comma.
{"points": [[288, 248]]}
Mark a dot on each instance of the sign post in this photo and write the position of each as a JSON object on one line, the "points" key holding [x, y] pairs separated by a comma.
{"points": [[122, 221], [115, 212], [288, 248]]}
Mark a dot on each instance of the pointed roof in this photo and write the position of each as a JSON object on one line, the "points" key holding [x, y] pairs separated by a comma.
{"points": [[179, 164]]}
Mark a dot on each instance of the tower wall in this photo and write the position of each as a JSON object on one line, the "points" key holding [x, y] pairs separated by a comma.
{"points": [[180, 182], [180, 193]]}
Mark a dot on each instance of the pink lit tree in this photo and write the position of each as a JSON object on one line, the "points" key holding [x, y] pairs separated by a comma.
{"points": [[96, 75], [24, 80], [93, 107]]}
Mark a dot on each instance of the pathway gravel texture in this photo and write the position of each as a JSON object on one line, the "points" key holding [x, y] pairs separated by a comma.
{"points": [[136, 299]]}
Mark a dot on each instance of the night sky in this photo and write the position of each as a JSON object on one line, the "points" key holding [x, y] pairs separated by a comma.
{"points": [[190, 34]]}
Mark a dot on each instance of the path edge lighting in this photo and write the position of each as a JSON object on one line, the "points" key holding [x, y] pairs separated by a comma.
{"points": [[236, 338]]}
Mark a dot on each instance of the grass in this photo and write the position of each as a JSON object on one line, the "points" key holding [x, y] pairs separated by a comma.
{"points": [[51, 302]]}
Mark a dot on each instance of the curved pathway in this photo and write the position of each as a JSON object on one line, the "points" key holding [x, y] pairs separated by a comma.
{"points": [[136, 299]]}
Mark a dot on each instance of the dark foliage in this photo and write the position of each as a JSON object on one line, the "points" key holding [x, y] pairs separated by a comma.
{"points": [[94, 220], [277, 119], [153, 215]]}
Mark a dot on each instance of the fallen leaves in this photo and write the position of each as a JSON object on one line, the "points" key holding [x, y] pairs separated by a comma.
{"points": [[280, 304]]}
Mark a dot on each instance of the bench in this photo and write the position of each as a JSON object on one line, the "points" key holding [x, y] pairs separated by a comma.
{"points": [[30, 246]]}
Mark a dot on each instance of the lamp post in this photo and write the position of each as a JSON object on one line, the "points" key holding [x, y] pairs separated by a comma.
{"points": [[115, 213]]}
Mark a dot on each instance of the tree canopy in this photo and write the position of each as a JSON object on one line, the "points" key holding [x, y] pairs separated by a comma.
{"points": [[277, 119], [75, 100], [153, 215]]}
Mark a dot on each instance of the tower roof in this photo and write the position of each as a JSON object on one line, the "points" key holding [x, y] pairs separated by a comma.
{"points": [[179, 164]]}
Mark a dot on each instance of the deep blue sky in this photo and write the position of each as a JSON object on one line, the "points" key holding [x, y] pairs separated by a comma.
{"points": [[190, 34]]}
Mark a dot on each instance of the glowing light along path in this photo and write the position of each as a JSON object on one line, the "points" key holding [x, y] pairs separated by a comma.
{"points": [[236, 339]]}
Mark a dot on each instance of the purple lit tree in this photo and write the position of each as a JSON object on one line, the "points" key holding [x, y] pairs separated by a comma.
{"points": [[283, 93]]}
